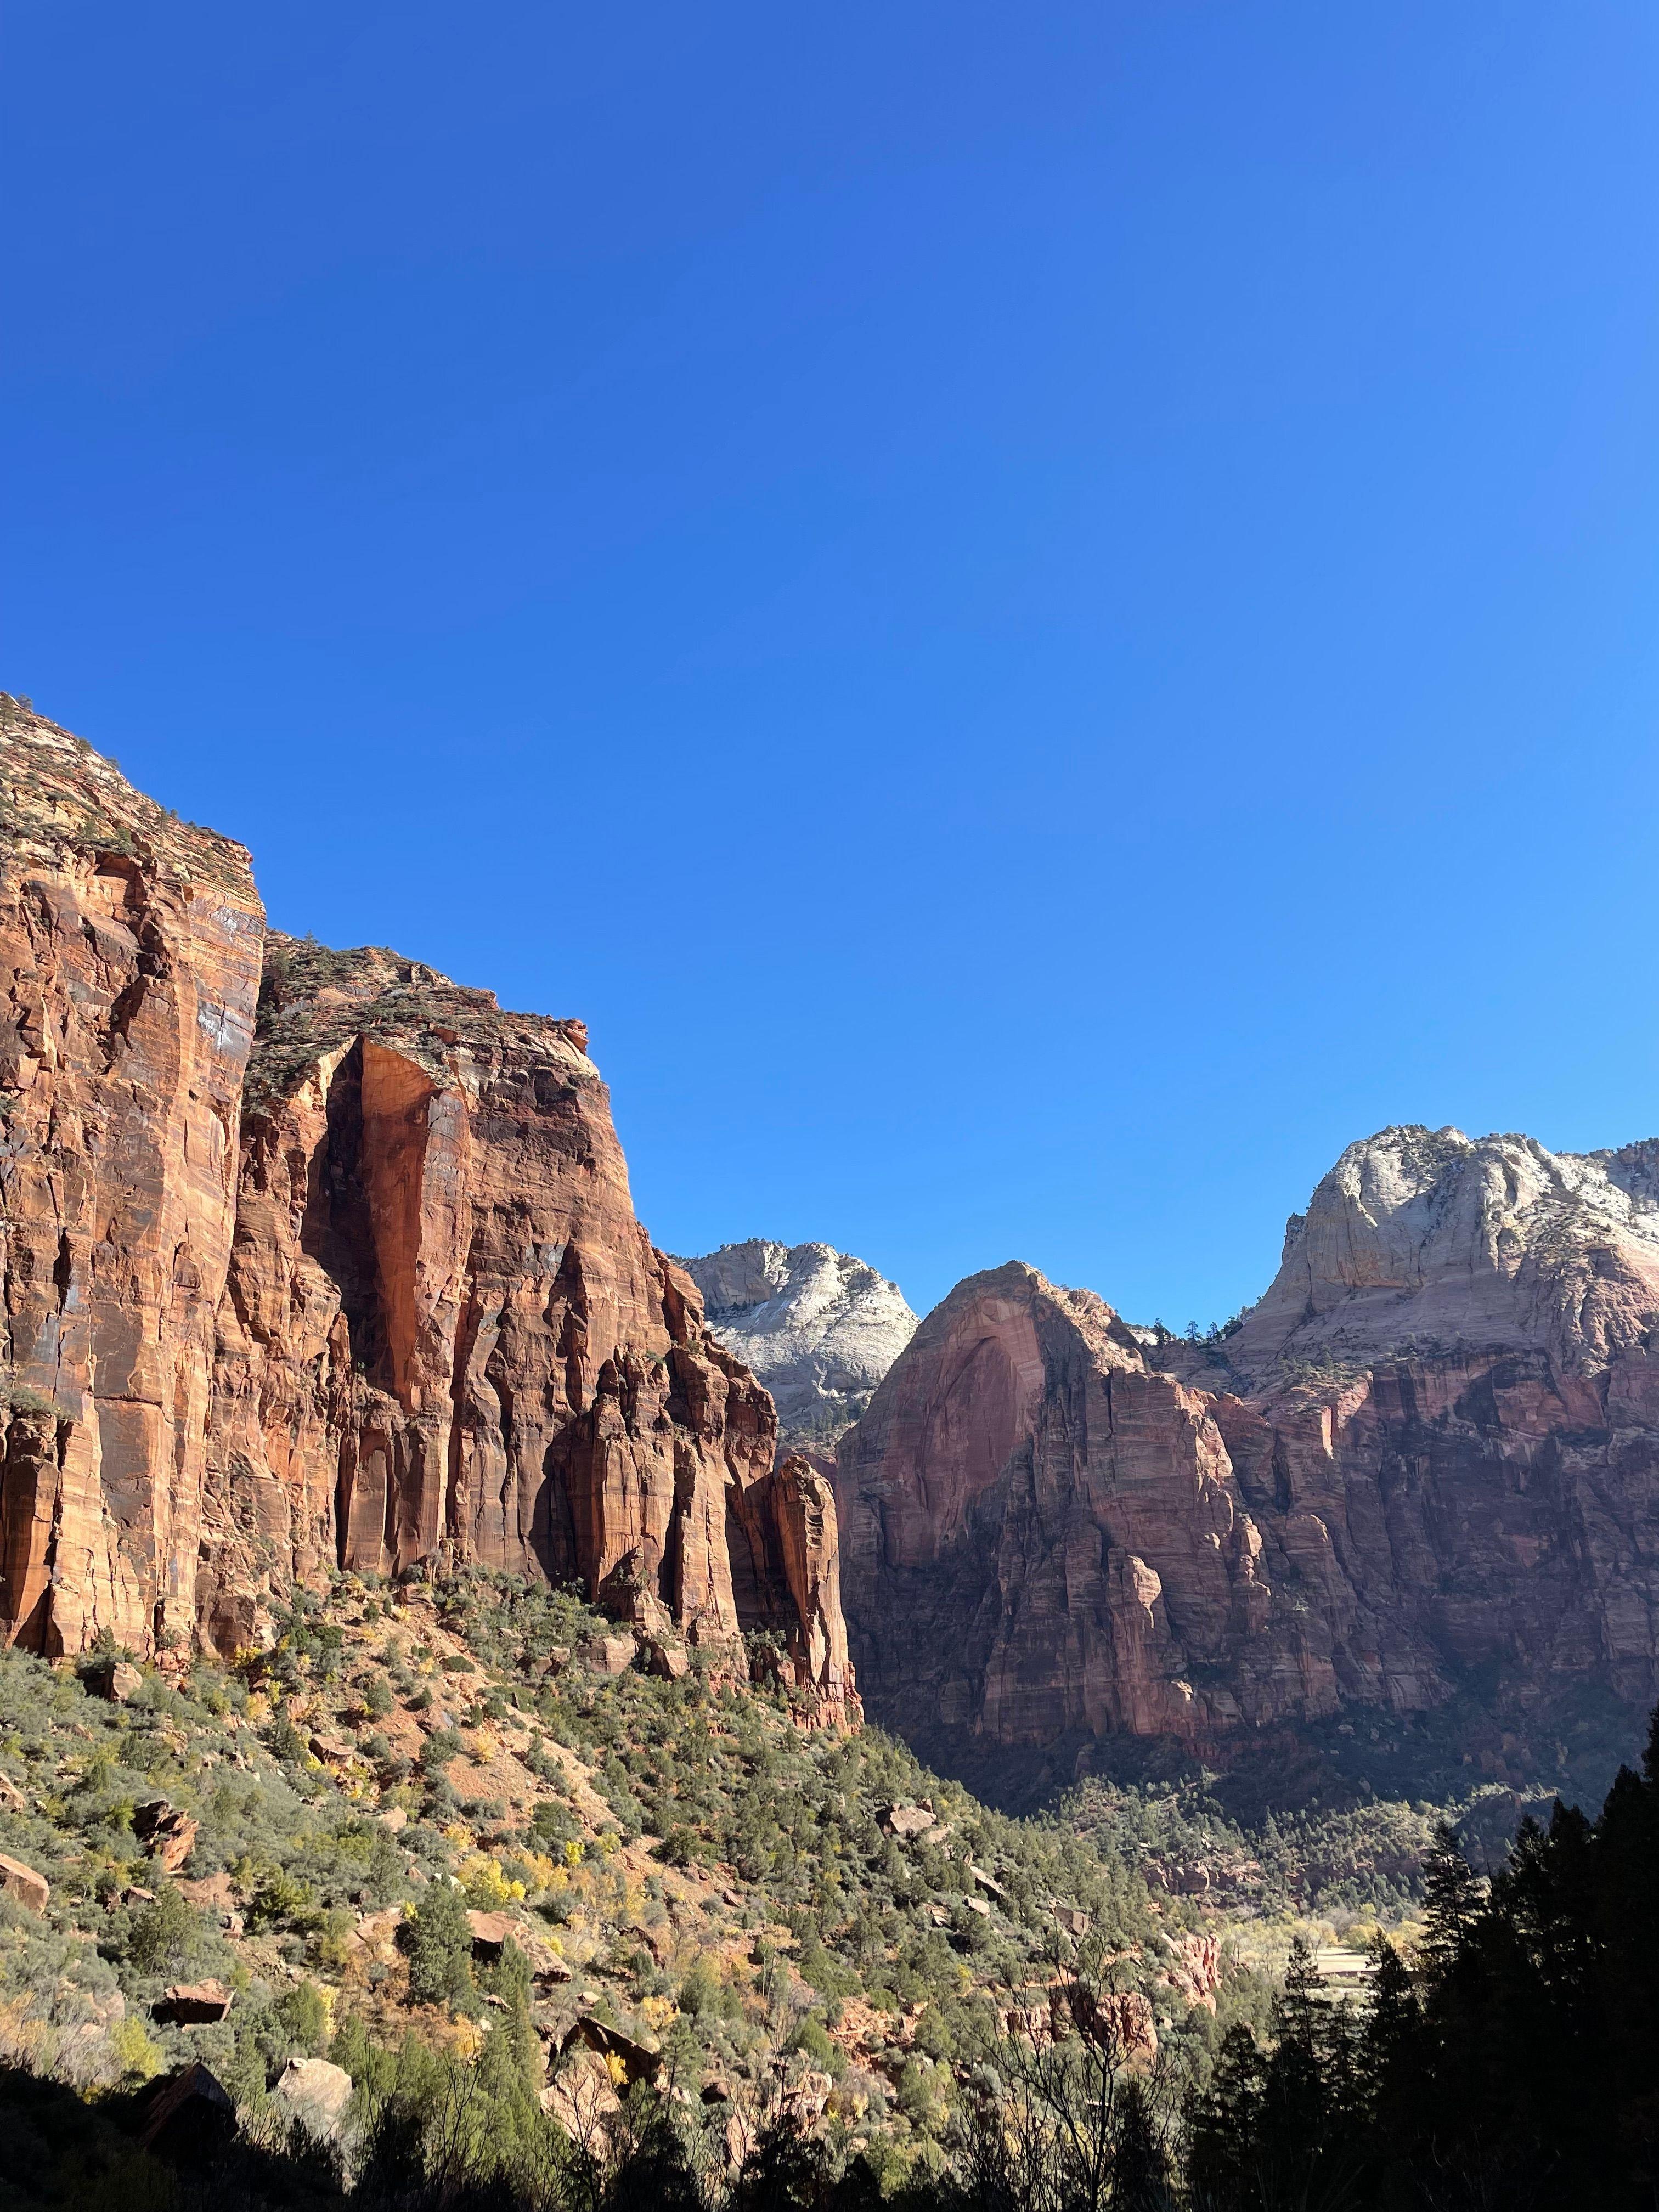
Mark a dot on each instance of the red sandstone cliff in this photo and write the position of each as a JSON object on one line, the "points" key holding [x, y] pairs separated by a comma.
{"points": [[364, 1287], [1431, 1449], [130, 947]]}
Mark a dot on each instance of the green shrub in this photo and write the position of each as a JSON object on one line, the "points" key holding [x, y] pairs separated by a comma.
{"points": [[440, 1944], [164, 1932], [439, 1748], [303, 2012], [817, 2047]]}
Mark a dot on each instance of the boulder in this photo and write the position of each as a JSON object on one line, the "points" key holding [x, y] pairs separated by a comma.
{"points": [[581, 2096], [906, 1821], [115, 1681], [641, 2062], [168, 1835], [667, 1657], [23, 1884], [193, 2004], [609, 1654], [491, 1933], [186, 2119], [314, 2092]]}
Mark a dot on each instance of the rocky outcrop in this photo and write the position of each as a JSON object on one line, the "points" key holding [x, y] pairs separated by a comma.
{"points": [[1428, 1459], [819, 1328], [129, 952], [317, 1259], [446, 1338], [1426, 1244], [1016, 1503]]}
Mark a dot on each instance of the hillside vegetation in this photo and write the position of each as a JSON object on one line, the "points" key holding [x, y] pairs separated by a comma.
{"points": [[455, 1838]]}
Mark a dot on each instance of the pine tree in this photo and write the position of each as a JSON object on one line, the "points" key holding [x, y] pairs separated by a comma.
{"points": [[1452, 1902], [1141, 2179]]}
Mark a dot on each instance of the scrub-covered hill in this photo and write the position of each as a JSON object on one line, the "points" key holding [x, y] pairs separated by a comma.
{"points": [[458, 1821]]}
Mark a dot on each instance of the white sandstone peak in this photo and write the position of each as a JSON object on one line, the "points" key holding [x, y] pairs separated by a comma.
{"points": [[819, 1327]]}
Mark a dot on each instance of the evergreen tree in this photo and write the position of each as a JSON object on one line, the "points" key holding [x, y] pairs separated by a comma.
{"points": [[440, 1947], [1451, 1899], [1140, 2175]]}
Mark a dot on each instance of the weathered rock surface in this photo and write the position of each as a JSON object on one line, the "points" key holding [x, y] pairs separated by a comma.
{"points": [[445, 1334], [1428, 1244], [168, 1834], [1431, 1453], [192, 2004], [316, 1259], [23, 1884], [315, 2093], [819, 1328], [130, 950]]}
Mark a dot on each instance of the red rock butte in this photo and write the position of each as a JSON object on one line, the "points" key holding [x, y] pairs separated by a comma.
{"points": [[1429, 1454], [316, 1260]]}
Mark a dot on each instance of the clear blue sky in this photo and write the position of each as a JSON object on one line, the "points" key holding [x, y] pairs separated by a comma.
{"points": [[1040, 613]]}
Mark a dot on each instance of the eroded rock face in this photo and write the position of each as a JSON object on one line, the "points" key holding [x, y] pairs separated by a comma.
{"points": [[129, 952], [1022, 1494], [356, 1281], [1430, 1453], [1427, 1244], [818, 1328], [444, 1335]]}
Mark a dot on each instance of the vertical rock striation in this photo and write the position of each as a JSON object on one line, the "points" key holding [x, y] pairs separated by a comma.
{"points": [[317, 1259], [130, 950], [1428, 1458], [446, 1337]]}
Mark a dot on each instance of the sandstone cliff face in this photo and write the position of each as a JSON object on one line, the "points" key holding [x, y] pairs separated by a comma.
{"points": [[444, 1335], [130, 947], [818, 1328], [353, 1281], [1429, 1456]]}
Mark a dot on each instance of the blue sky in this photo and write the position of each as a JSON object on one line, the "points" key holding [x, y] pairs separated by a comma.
{"points": [[1041, 615]]}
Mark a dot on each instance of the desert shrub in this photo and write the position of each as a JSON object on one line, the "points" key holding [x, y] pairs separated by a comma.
{"points": [[439, 1748], [278, 1899], [165, 1934], [137, 2054], [304, 2013], [814, 2043]]}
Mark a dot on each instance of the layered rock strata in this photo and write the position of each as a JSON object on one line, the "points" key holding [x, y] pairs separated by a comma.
{"points": [[1428, 1458], [819, 1327], [316, 1259]]}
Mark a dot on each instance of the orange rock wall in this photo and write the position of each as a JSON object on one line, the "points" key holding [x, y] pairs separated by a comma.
{"points": [[316, 1259], [129, 952]]}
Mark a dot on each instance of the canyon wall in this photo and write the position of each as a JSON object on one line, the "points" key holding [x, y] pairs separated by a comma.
{"points": [[130, 950], [318, 1259], [1428, 1459]]}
